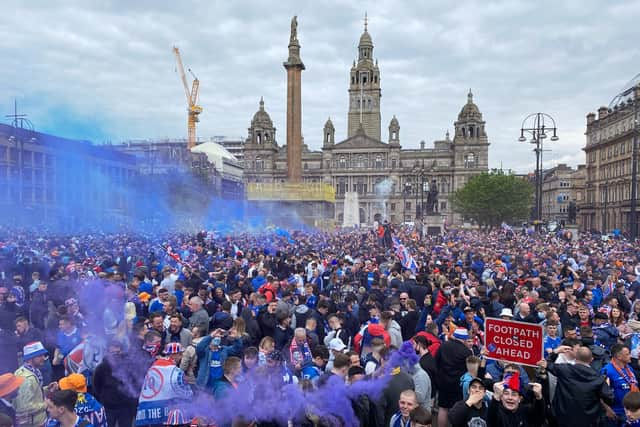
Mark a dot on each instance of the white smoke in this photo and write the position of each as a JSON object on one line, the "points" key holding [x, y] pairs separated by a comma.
{"points": [[383, 191]]}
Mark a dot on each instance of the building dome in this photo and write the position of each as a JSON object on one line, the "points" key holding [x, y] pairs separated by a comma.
{"points": [[627, 93], [394, 122], [365, 40], [470, 110], [261, 118], [329, 124]]}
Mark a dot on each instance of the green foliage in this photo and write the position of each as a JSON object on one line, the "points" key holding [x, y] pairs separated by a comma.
{"points": [[491, 198]]}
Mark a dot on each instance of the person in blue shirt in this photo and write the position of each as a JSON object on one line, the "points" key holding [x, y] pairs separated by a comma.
{"points": [[312, 371], [622, 380], [551, 339], [212, 354], [67, 339]]}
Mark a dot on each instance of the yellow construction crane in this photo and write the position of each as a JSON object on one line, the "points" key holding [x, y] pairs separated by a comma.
{"points": [[193, 108]]}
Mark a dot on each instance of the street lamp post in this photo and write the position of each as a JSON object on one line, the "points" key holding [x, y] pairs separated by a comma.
{"points": [[405, 192], [631, 93], [605, 197], [537, 125]]}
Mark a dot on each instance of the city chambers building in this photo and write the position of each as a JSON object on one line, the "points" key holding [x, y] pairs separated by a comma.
{"points": [[391, 182]]}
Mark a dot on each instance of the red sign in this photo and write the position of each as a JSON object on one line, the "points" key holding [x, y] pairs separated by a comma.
{"points": [[517, 342]]}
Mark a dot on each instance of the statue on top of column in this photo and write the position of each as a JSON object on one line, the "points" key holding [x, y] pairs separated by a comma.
{"points": [[294, 28]]}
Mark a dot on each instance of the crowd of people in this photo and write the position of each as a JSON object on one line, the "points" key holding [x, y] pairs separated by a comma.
{"points": [[315, 329]]}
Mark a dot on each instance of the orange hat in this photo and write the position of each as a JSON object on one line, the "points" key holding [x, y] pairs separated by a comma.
{"points": [[144, 296], [75, 382], [9, 383]]}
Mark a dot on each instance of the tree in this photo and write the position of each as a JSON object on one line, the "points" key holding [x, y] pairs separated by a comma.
{"points": [[493, 198]]}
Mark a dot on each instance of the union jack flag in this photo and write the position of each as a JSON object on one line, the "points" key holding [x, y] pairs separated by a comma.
{"points": [[608, 288]]}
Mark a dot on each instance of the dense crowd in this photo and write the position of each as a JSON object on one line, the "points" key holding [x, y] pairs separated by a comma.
{"points": [[315, 329]]}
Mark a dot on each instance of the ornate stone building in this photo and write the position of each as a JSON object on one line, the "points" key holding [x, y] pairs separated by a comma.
{"points": [[562, 188], [391, 182], [609, 151]]}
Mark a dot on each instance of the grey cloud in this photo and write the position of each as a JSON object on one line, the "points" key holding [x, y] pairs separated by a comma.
{"points": [[110, 63]]}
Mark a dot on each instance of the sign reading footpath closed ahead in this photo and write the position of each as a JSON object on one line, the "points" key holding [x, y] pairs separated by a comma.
{"points": [[517, 342]]}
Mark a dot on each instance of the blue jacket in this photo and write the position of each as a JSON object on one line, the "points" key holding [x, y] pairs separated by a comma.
{"points": [[204, 357]]}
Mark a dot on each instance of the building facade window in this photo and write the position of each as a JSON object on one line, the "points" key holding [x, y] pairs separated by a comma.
{"points": [[470, 161], [379, 162]]}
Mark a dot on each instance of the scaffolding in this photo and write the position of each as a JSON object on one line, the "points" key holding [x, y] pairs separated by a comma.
{"points": [[291, 192]]}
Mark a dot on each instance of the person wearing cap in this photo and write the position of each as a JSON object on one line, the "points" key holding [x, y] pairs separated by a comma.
{"points": [[29, 404], [506, 408], [506, 314], [174, 351], [363, 406], [450, 361], [474, 409], [9, 386], [86, 407]]}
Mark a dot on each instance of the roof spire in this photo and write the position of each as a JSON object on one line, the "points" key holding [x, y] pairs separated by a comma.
{"points": [[470, 97], [261, 104], [365, 21]]}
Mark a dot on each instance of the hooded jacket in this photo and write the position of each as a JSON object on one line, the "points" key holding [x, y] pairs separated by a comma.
{"points": [[395, 333], [578, 393], [29, 404]]}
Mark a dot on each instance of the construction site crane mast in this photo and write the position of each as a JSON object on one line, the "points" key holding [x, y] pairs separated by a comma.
{"points": [[193, 109]]}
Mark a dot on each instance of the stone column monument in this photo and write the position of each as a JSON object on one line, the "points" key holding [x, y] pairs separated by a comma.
{"points": [[294, 67]]}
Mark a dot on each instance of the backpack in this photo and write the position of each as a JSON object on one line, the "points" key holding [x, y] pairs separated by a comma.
{"points": [[600, 357]]}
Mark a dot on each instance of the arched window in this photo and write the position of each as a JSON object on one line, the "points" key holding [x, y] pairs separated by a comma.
{"points": [[464, 132], [470, 131], [470, 161], [379, 162], [360, 163], [259, 163], [259, 138], [266, 136], [343, 163]]}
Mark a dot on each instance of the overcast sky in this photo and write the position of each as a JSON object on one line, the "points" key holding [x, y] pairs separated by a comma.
{"points": [[104, 70]]}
